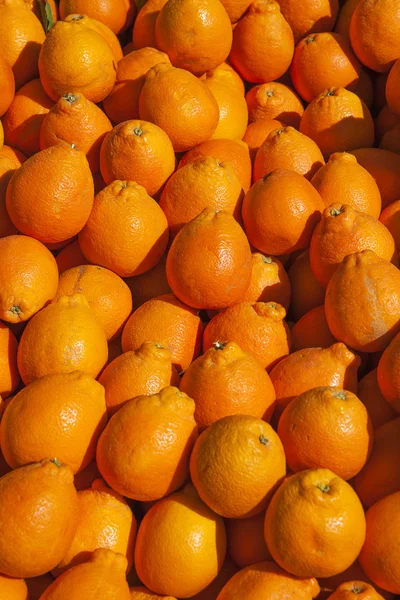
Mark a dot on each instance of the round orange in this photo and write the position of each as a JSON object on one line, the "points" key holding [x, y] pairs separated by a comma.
{"points": [[144, 27], [116, 14], [315, 16], [384, 166], [307, 293], [149, 285], [7, 85], [258, 131], [274, 101], [312, 331]]}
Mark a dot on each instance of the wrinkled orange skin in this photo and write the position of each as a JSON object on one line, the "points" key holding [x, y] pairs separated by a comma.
{"points": [[274, 101]]}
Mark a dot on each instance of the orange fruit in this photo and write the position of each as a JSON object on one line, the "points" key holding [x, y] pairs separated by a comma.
{"points": [[344, 17], [70, 256], [100, 28], [104, 574], [118, 16], [16, 156], [87, 476], [385, 121], [188, 120], [39, 509], [28, 277], [338, 120], [205, 182], [259, 329], [342, 231], [274, 101], [298, 524], [144, 27], [379, 410], [122, 104], [364, 89], [347, 590], [321, 61], [213, 589], [222, 275], [387, 373], [390, 217], [78, 121], [38, 585], [236, 378], [170, 322], [392, 85], [263, 44], [149, 285], [379, 88], [63, 337], [127, 232], [326, 427], [390, 140], [353, 573], [137, 151], [315, 16], [362, 302], [197, 36], [130, 454], [9, 376], [24, 118], [7, 85], [258, 131], [312, 331], [307, 293], [287, 148], [280, 212], [227, 74], [140, 372], [269, 281], [374, 33], [13, 589], [34, 424], [7, 169], [384, 166], [245, 538], [76, 58], [143, 593]]}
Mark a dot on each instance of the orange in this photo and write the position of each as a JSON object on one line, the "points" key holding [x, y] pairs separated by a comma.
{"points": [[9, 376], [274, 101], [78, 121], [197, 547], [170, 322], [104, 574], [314, 367], [280, 212], [144, 27], [343, 21], [35, 424], [219, 276], [315, 16], [7, 169], [387, 373], [100, 28], [338, 120], [76, 58], [39, 510], [362, 302], [212, 590], [363, 590], [28, 277], [7, 85], [133, 454], [374, 33], [205, 182], [298, 524], [269, 281], [38, 585], [390, 140], [392, 85], [13, 589], [263, 44], [24, 118], [62, 174], [307, 293], [127, 232], [188, 120], [312, 331], [287, 148], [258, 131], [196, 35], [146, 370], [258, 328], [117, 15], [236, 379], [380, 90], [69, 257], [63, 337], [365, 88], [390, 217], [16, 157], [326, 427], [143, 593], [236, 9], [151, 284], [122, 104], [353, 573], [137, 151], [384, 166], [342, 231], [227, 74], [379, 410], [343, 177], [385, 121], [246, 543], [21, 35]]}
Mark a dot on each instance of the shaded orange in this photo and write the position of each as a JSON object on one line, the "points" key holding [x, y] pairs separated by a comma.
{"points": [[312, 331], [379, 409], [274, 101]]}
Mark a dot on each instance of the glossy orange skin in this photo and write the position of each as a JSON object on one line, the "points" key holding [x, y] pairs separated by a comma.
{"points": [[149, 285], [118, 16], [384, 166], [315, 16], [274, 101], [7, 86], [364, 591], [258, 131], [144, 27], [70, 256], [9, 376], [269, 281], [312, 331], [101, 29], [379, 410], [353, 573], [307, 293], [246, 543]]}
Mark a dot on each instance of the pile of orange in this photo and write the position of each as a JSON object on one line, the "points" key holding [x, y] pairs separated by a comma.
{"points": [[199, 299]]}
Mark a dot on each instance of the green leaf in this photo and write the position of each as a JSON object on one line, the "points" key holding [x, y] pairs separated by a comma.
{"points": [[46, 15]]}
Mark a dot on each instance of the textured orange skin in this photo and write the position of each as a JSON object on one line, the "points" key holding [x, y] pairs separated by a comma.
{"points": [[236, 9], [315, 16], [342, 231], [227, 74], [323, 60], [21, 35], [227, 381], [379, 410], [263, 44], [342, 26], [246, 543], [353, 573], [25, 116], [9, 376], [326, 427], [363, 590], [212, 590], [127, 232], [305, 369], [197, 547], [258, 328], [269, 281], [76, 57], [143, 593], [196, 34], [390, 140], [144, 27], [78, 121], [137, 151], [33, 425], [338, 120], [28, 277], [134, 454], [258, 131], [268, 578], [151, 284], [13, 589], [385, 121], [122, 104], [222, 275], [287, 148], [392, 86], [274, 101], [140, 372], [384, 166], [234, 151], [280, 212], [101, 578], [343, 177], [307, 293], [205, 182], [117, 15], [38, 510], [63, 337], [7, 85], [312, 331], [69, 257], [62, 174], [362, 302], [101, 29], [298, 524]]}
